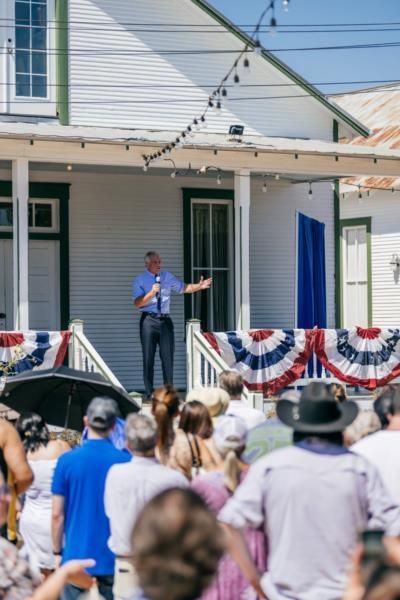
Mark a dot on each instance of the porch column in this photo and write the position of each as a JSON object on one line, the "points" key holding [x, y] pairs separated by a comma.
{"points": [[242, 249], [20, 191]]}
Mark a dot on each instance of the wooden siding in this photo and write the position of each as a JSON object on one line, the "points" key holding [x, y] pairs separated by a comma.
{"points": [[273, 249], [107, 57], [384, 210]]}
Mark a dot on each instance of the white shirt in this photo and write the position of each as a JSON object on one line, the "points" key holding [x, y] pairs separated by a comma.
{"points": [[382, 449], [251, 416], [129, 486]]}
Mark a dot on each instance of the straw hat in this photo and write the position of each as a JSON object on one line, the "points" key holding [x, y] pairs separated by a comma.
{"points": [[215, 399]]}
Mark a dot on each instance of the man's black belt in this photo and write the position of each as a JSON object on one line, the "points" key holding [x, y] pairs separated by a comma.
{"points": [[155, 315]]}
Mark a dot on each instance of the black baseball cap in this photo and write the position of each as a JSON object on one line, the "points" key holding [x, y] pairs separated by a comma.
{"points": [[102, 413]]}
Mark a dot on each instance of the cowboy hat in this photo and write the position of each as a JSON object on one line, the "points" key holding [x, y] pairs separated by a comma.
{"points": [[317, 411]]}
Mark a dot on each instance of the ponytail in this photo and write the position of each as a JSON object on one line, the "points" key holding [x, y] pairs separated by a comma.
{"points": [[165, 408], [231, 471]]}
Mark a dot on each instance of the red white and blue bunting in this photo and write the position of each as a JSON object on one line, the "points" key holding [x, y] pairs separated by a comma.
{"points": [[365, 357], [31, 350], [269, 360]]}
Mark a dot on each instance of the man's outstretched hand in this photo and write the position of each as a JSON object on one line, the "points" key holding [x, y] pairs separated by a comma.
{"points": [[204, 284]]}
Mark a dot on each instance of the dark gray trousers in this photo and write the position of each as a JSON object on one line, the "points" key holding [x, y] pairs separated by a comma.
{"points": [[157, 331]]}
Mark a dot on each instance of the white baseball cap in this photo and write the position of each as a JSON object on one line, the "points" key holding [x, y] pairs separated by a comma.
{"points": [[230, 432]]}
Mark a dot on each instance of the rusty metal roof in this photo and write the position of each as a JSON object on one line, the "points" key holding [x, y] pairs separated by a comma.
{"points": [[379, 109]]}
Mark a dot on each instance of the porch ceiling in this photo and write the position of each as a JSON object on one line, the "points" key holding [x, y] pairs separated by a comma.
{"points": [[85, 145]]}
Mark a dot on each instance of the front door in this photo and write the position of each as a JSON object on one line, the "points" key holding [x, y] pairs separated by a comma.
{"points": [[355, 266], [44, 289]]}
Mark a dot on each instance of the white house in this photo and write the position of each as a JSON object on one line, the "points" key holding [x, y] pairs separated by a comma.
{"points": [[87, 87], [370, 218]]}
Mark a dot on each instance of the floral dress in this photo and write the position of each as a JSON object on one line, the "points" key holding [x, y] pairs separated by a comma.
{"points": [[17, 580]]}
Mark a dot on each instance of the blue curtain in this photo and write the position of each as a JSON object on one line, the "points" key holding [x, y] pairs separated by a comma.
{"points": [[311, 280]]}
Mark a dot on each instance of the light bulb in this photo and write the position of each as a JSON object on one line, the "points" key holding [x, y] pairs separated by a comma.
{"points": [[264, 188], [257, 46], [69, 167], [285, 5], [173, 174], [145, 167], [277, 176], [219, 180], [310, 194]]}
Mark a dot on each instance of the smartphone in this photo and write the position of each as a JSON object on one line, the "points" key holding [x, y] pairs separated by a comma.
{"points": [[374, 553]]}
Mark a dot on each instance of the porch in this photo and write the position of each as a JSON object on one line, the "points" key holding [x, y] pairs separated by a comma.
{"points": [[111, 213]]}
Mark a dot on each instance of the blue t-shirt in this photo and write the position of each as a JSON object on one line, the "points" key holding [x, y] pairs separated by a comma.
{"points": [[80, 477]]}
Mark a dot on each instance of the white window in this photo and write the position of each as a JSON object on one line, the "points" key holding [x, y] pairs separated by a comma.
{"points": [[27, 75], [212, 256], [42, 215], [355, 276]]}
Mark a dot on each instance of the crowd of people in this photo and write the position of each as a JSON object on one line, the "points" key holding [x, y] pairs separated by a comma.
{"points": [[191, 507]]}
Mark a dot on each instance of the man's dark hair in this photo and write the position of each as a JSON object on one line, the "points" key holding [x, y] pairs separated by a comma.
{"points": [[387, 403], [177, 545]]}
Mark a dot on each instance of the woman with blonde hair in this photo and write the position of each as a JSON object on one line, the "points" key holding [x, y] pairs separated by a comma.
{"points": [[181, 448], [216, 487]]}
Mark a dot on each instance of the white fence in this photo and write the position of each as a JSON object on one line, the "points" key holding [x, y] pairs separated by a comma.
{"points": [[204, 364], [84, 357]]}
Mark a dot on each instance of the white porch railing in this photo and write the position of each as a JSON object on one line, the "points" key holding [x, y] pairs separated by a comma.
{"points": [[204, 364], [84, 357]]}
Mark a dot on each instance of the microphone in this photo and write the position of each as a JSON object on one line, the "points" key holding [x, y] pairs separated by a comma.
{"points": [[157, 279]]}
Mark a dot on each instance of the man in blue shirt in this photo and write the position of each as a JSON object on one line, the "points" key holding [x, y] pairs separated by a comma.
{"points": [[80, 527], [151, 295]]}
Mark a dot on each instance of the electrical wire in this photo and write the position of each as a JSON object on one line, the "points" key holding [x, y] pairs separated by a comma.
{"points": [[204, 52], [167, 86]]}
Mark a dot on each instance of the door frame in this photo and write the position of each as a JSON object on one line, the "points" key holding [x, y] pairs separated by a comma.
{"points": [[190, 194], [59, 191], [366, 221]]}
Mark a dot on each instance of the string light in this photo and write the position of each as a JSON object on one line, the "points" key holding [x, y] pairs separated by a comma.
{"points": [[285, 5], [215, 99], [264, 187], [219, 179], [310, 194], [359, 193], [69, 167]]}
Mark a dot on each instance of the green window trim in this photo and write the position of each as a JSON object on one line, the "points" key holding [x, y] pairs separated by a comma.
{"points": [[62, 61], [59, 191], [188, 195], [336, 216], [366, 221]]}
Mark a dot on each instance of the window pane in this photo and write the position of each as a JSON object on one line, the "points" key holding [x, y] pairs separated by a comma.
{"points": [[30, 215], [220, 235], [43, 215], [201, 235], [39, 88], [39, 38], [39, 15], [220, 300], [6, 214], [39, 1], [38, 63], [23, 61], [201, 303], [23, 87], [22, 13], [22, 37]]}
